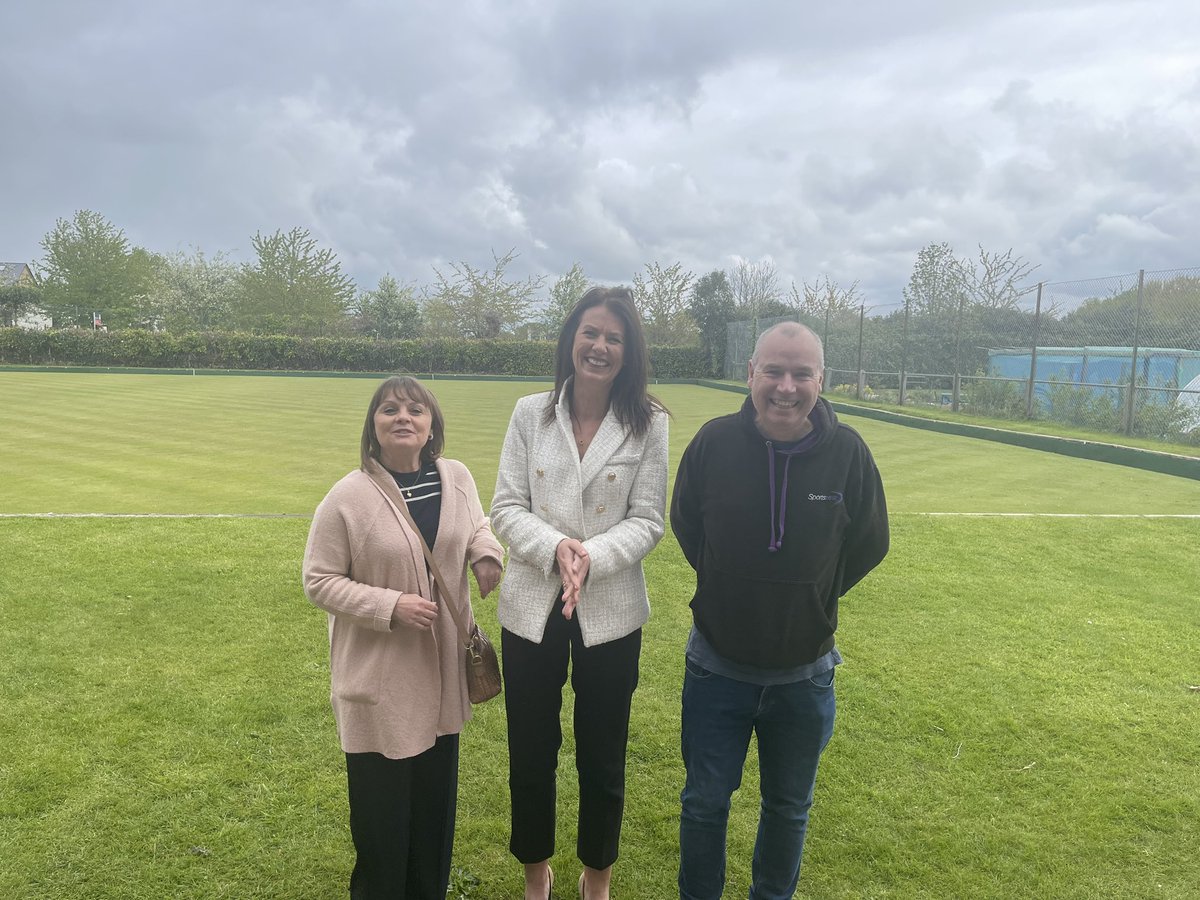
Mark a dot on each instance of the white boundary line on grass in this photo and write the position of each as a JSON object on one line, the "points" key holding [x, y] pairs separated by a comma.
{"points": [[1047, 515], [54, 515], [961, 515]]}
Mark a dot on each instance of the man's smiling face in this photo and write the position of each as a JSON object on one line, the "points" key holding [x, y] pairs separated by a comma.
{"points": [[785, 379]]}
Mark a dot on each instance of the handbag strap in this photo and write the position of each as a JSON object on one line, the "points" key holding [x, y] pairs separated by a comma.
{"points": [[387, 487]]}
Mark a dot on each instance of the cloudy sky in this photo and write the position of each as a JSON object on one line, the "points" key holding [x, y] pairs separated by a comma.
{"points": [[831, 141]]}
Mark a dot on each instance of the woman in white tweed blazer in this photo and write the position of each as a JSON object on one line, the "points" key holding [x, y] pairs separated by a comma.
{"points": [[580, 500]]}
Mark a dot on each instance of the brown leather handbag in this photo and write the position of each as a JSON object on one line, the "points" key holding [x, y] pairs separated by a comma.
{"points": [[483, 668]]}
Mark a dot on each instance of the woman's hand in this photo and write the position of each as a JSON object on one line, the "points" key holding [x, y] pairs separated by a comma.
{"points": [[487, 573], [573, 562], [414, 611]]}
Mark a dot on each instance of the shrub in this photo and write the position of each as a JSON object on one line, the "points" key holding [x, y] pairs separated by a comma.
{"points": [[998, 398], [1096, 409], [231, 350]]}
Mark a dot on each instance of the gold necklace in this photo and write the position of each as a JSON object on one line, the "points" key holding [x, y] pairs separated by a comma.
{"points": [[407, 489], [577, 427]]}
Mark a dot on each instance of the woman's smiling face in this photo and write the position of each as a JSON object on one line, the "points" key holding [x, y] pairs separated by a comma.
{"points": [[599, 349], [402, 427]]}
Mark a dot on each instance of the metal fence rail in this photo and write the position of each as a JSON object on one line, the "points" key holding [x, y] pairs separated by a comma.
{"points": [[1119, 354]]}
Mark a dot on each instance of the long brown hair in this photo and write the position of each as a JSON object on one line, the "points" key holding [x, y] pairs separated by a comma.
{"points": [[629, 399], [412, 389]]}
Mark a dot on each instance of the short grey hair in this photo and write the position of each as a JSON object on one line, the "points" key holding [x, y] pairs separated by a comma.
{"points": [[789, 329]]}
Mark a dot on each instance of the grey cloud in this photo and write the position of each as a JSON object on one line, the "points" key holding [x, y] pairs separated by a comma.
{"points": [[832, 139]]}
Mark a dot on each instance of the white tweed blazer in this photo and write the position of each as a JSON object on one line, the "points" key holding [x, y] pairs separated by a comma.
{"points": [[613, 500]]}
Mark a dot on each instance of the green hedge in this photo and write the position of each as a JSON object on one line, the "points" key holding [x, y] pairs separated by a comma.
{"points": [[223, 350]]}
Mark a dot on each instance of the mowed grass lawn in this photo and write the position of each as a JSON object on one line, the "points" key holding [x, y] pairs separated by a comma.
{"points": [[1016, 716]]}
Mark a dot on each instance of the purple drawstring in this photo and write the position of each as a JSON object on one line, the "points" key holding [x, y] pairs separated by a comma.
{"points": [[774, 544], [777, 538]]}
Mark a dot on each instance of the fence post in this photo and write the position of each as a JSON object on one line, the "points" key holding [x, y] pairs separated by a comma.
{"points": [[862, 375], [962, 301], [1037, 321], [904, 356], [1137, 328]]}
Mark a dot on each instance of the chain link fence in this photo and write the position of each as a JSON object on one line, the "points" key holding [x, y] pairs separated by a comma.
{"points": [[1118, 354]]}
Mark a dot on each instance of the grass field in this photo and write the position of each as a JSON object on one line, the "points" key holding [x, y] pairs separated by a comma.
{"points": [[1016, 716]]}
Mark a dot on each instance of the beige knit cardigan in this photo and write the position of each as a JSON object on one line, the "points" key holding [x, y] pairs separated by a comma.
{"points": [[394, 689]]}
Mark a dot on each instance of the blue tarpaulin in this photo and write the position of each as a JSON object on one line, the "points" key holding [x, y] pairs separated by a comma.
{"points": [[1103, 368]]}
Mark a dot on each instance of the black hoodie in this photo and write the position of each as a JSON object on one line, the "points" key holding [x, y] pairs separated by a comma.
{"points": [[776, 537]]}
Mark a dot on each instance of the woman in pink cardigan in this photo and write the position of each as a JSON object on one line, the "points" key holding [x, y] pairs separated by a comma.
{"points": [[396, 663]]}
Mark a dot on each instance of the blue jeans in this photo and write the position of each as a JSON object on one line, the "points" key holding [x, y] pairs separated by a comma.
{"points": [[793, 723]]}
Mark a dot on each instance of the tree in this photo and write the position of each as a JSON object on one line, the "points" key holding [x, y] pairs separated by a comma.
{"points": [[661, 298], [711, 307], [938, 284], [756, 288], [145, 285], [18, 299], [996, 280], [477, 303], [438, 320], [963, 304], [197, 292], [1170, 316], [388, 312], [826, 299], [89, 267], [830, 310], [295, 287], [564, 294]]}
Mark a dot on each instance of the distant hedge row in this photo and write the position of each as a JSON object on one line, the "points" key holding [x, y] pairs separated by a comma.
{"points": [[157, 349]]}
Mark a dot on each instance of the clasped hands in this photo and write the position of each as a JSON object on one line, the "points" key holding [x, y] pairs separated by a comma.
{"points": [[573, 562]]}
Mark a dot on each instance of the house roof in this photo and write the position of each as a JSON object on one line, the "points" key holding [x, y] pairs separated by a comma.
{"points": [[10, 273]]}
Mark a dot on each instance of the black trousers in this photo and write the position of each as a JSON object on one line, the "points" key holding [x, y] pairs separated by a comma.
{"points": [[402, 822], [603, 678]]}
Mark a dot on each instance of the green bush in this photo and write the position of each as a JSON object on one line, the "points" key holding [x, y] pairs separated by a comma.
{"points": [[1171, 421], [1103, 409], [228, 350], [996, 397], [1082, 406], [678, 362]]}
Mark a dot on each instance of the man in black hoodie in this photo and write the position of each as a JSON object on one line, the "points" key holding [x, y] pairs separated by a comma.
{"points": [[780, 510]]}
